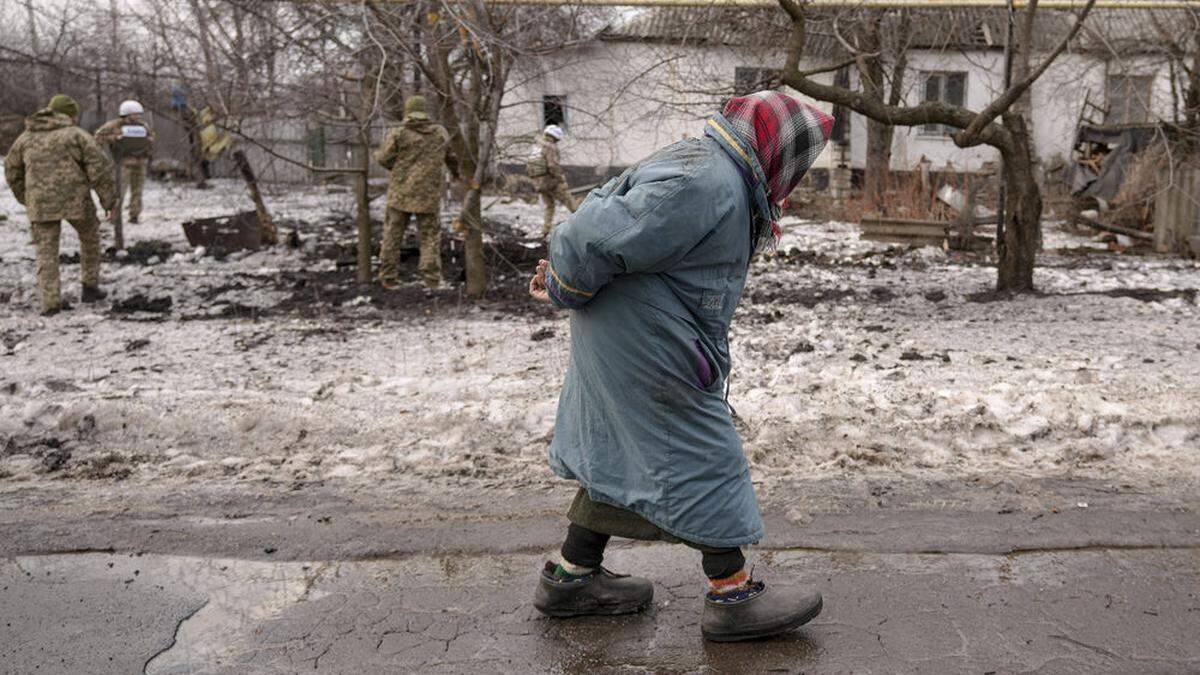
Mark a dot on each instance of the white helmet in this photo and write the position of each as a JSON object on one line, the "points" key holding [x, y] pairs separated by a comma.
{"points": [[130, 107], [554, 131]]}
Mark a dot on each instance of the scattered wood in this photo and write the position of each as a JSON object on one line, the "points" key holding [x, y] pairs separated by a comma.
{"points": [[269, 234], [1114, 229], [919, 233]]}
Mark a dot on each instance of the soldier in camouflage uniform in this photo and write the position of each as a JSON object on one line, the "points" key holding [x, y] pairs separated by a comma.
{"points": [[548, 176], [52, 168], [133, 140], [415, 153]]}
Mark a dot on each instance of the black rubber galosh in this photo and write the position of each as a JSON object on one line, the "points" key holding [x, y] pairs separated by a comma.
{"points": [[600, 593], [769, 631]]}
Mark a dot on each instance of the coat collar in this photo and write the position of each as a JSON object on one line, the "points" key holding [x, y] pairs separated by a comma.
{"points": [[720, 130]]}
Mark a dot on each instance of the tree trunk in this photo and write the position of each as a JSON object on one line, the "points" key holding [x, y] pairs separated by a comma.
{"points": [[1018, 245], [363, 219], [362, 198], [879, 163], [269, 235], [39, 78], [871, 69], [472, 220], [118, 222]]}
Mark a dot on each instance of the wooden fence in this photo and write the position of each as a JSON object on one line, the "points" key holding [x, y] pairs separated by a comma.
{"points": [[1177, 212], [270, 144]]}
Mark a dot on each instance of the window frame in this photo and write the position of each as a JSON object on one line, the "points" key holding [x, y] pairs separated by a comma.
{"points": [[1132, 98], [744, 76], [943, 77], [556, 100]]}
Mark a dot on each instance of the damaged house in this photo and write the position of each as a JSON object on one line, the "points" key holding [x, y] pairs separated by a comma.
{"points": [[650, 77]]}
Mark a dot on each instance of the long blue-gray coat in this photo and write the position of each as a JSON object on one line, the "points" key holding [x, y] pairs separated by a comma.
{"points": [[652, 266]]}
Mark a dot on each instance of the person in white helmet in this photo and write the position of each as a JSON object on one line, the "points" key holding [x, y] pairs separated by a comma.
{"points": [[131, 142], [548, 176]]}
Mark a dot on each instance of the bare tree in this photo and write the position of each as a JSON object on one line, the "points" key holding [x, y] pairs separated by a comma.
{"points": [[466, 53], [35, 49], [1179, 41], [879, 43], [1018, 238]]}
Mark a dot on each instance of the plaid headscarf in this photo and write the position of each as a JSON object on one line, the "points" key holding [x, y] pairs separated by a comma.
{"points": [[786, 136]]}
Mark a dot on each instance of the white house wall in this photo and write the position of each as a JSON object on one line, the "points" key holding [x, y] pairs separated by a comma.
{"points": [[627, 99]]}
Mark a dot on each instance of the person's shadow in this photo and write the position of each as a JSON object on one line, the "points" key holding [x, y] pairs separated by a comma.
{"points": [[793, 652], [667, 640]]}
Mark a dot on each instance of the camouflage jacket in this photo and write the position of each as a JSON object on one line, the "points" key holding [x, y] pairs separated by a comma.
{"points": [[415, 153], [54, 165], [110, 133], [543, 162]]}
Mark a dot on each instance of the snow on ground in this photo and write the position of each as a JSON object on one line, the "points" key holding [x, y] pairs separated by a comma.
{"points": [[849, 356]]}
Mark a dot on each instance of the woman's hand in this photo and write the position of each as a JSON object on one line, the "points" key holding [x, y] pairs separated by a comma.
{"points": [[537, 285]]}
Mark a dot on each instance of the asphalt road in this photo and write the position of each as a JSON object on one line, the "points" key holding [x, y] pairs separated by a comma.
{"points": [[981, 577]]}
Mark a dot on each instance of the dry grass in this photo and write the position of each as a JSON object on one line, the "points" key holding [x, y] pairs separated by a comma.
{"points": [[906, 197], [1133, 207]]}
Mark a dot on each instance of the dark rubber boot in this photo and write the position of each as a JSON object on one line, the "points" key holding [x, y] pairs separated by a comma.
{"points": [[601, 592], [92, 294], [757, 613]]}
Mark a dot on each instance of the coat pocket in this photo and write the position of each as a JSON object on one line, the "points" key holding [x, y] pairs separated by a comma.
{"points": [[706, 370]]}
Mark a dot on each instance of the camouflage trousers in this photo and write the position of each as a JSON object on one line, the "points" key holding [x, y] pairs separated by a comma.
{"points": [[135, 177], [46, 235], [553, 193], [429, 230]]}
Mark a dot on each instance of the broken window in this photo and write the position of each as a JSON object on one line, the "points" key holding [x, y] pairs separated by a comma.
{"points": [[748, 80], [949, 88], [1128, 99], [554, 111]]}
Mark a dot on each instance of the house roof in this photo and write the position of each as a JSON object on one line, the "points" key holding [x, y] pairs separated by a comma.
{"points": [[729, 26], [1125, 31], [1106, 31]]}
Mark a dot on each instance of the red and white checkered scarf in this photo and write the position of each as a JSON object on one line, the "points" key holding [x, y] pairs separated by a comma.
{"points": [[786, 135]]}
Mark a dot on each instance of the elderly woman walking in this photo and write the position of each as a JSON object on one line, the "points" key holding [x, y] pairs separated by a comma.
{"points": [[651, 267]]}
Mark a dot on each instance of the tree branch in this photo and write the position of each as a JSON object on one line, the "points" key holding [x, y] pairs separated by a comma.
{"points": [[924, 113], [998, 106], [828, 69]]}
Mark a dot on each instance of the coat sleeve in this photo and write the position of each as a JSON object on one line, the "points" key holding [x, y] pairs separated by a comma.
{"points": [[14, 169], [646, 224], [106, 135], [386, 154], [99, 169]]}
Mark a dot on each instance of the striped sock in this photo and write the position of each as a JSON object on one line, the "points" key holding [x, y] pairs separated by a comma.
{"points": [[737, 581], [567, 569]]}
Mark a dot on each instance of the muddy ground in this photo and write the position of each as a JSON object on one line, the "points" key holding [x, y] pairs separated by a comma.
{"points": [[277, 366], [235, 447]]}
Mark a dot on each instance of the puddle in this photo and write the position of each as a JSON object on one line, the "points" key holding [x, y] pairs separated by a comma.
{"points": [[240, 594]]}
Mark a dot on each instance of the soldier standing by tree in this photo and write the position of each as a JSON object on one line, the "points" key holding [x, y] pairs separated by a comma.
{"points": [[415, 154], [549, 177], [131, 142], [52, 168]]}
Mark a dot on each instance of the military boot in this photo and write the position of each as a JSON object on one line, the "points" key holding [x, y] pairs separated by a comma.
{"points": [[756, 612], [599, 592], [92, 294]]}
